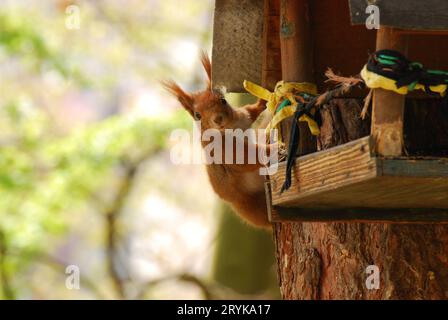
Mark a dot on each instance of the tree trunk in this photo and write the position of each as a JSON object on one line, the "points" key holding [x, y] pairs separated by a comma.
{"points": [[329, 260]]}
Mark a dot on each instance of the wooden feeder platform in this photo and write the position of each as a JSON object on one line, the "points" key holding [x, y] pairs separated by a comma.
{"points": [[368, 179], [350, 182]]}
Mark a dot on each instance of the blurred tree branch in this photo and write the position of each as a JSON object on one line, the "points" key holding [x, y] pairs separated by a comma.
{"points": [[57, 265], [111, 216], [60, 267], [184, 277], [45, 177]]}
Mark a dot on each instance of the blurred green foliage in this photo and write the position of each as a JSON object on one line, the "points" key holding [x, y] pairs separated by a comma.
{"points": [[43, 178], [20, 38], [49, 174]]}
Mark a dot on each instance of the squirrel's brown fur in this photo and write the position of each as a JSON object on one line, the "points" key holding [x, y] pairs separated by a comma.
{"points": [[239, 184]]}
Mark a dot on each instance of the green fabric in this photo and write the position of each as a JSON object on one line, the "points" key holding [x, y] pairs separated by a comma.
{"points": [[285, 103]]}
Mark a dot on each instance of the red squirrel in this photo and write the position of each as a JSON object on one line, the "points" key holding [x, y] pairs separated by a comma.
{"points": [[241, 185]]}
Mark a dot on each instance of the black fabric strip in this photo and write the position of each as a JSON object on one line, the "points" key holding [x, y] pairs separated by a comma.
{"points": [[292, 148], [403, 71]]}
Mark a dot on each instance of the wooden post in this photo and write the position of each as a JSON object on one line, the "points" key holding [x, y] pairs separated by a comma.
{"points": [[388, 106], [271, 70], [297, 58]]}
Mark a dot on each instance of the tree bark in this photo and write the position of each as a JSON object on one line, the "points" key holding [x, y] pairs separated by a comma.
{"points": [[329, 260]]}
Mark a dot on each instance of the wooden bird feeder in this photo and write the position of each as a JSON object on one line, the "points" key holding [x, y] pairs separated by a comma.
{"points": [[386, 176]]}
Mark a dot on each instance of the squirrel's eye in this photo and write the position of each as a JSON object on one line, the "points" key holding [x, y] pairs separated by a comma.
{"points": [[197, 116], [223, 101]]}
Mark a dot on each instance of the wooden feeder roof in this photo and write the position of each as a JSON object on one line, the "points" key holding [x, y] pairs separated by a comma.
{"points": [[246, 37], [408, 14]]}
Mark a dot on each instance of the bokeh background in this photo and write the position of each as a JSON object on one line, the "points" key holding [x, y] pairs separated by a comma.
{"points": [[85, 173]]}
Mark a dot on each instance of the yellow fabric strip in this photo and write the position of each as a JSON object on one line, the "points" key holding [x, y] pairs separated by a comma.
{"points": [[283, 90], [257, 90], [374, 81]]}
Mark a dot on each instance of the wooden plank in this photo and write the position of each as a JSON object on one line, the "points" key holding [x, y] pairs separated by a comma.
{"points": [[376, 192], [409, 14], [325, 171], [388, 106], [297, 60], [389, 215], [424, 168], [296, 41], [351, 176], [237, 43]]}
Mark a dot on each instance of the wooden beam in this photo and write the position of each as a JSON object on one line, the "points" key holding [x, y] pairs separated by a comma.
{"points": [[295, 40], [271, 69], [324, 172], [383, 215], [297, 59], [388, 106], [409, 14]]}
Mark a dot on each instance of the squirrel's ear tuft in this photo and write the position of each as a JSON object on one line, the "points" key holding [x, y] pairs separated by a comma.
{"points": [[205, 60], [185, 99]]}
